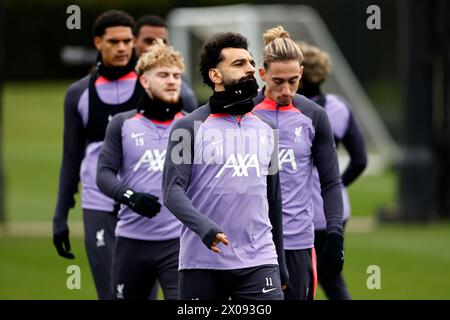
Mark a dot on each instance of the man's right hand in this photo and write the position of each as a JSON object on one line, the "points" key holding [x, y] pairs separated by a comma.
{"points": [[220, 237], [62, 244]]}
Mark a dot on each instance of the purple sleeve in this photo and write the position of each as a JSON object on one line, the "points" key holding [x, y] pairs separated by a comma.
{"points": [[353, 142], [74, 144], [110, 158], [176, 178]]}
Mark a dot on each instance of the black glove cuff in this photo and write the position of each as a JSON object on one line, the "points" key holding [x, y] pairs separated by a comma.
{"points": [[127, 197], [335, 239], [210, 236]]}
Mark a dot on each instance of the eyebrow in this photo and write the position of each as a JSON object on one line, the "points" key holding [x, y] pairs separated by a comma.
{"points": [[282, 79], [119, 40], [153, 39], [169, 72], [252, 62]]}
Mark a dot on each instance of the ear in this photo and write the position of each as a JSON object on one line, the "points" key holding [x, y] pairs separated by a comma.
{"points": [[262, 74], [144, 81], [98, 43], [215, 75], [301, 71]]}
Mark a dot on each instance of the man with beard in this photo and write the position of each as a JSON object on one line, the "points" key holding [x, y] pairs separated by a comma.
{"points": [[146, 246], [88, 106], [306, 140], [219, 181], [148, 29]]}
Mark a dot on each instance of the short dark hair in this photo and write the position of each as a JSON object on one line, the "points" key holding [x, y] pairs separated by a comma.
{"points": [[211, 53], [112, 18], [149, 20]]}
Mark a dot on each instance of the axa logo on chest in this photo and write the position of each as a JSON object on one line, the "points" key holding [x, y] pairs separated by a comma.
{"points": [[243, 150], [152, 160], [240, 164], [287, 156]]}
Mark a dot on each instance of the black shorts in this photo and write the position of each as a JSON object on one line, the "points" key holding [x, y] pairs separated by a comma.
{"points": [[137, 264], [301, 265], [255, 283], [99, 241]]}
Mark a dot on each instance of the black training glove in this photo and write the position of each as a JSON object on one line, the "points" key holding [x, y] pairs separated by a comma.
{"points": [[331, 260], [144, 204], [62, 244]]}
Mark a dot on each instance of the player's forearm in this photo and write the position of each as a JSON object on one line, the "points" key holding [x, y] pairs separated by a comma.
{"points": [[110, 160], [353, 142], [176, 200], [331, 186], [69, 178], [333, 208], [353, 171], [107, 180]]}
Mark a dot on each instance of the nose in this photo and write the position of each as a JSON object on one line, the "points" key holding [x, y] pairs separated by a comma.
{"points": [[250, 68], [171, 80], [122, 46], [286, 90]]}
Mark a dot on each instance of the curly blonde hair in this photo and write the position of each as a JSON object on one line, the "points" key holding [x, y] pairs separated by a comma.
{"points": [[279, 47], [316, 64], [159, 55]]}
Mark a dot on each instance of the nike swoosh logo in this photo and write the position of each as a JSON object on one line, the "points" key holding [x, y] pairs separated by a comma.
{"points": [[216, 142], [264, 290], [136, 135]]}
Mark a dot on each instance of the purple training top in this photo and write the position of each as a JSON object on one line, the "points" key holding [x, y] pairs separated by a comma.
{"points": [[306, 140], [225, 185], [134, 149]]}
